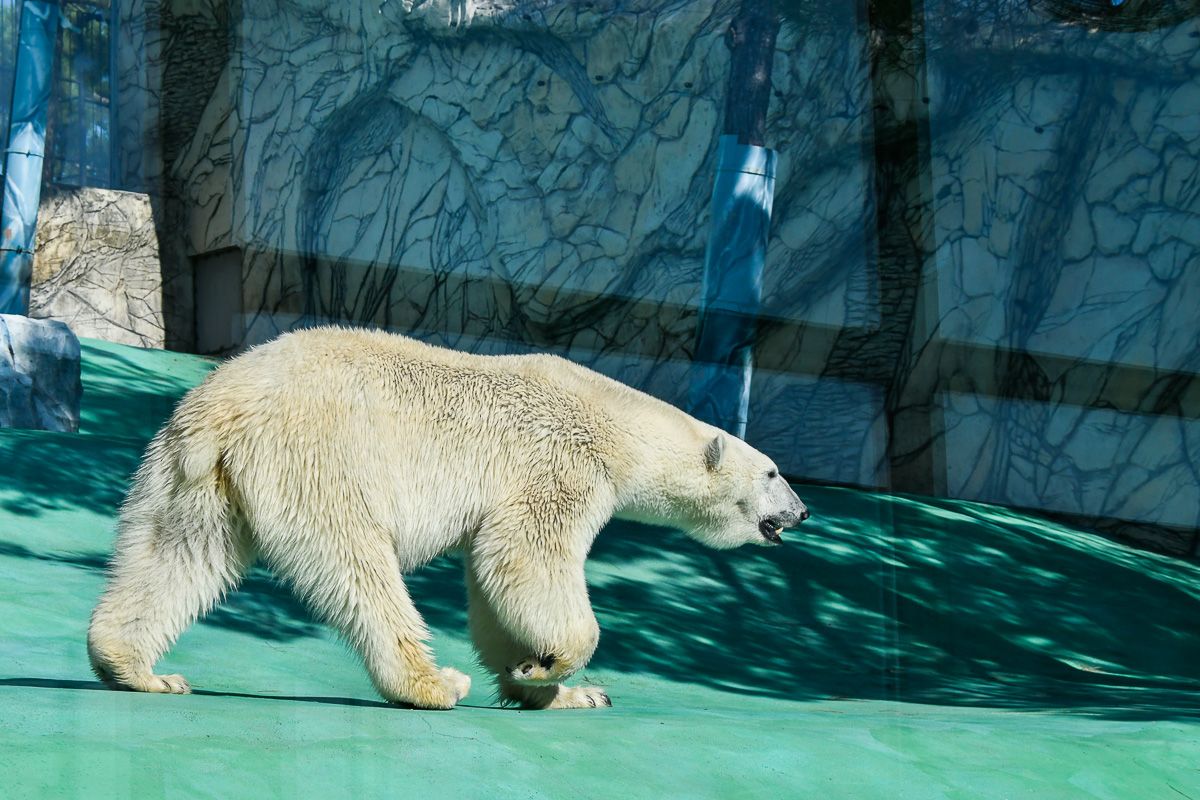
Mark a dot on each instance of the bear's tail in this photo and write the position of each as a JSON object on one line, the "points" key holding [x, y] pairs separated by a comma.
{"points": [[178, 550]]}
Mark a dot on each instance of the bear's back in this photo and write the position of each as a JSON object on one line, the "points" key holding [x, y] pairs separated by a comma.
{"points": [[334, 376]]}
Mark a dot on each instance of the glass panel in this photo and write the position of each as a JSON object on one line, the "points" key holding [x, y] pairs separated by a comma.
{"points": [[1066, 242], [79, 130], [974, 310], [10, 17]]}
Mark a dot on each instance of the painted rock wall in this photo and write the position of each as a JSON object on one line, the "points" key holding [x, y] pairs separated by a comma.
{"points": [[1066, 258], [540, 179], [1000, 307]]}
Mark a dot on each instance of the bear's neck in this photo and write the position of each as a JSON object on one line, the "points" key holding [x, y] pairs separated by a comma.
{"points": [[656, 464], [654, 453]]}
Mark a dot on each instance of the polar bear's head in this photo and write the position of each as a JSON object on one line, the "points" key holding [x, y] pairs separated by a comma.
{"points": [[744, 499]]}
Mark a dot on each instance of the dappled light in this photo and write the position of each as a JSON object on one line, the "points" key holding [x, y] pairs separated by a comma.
{"points": [[127, 397], [45, 472], [912, 600]]}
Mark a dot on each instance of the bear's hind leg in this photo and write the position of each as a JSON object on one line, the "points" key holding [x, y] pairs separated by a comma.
{"points": [[170, 567], [362, 594]]}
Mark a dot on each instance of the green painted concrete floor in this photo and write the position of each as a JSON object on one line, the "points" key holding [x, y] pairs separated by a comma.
{"points": [[900, 648]]}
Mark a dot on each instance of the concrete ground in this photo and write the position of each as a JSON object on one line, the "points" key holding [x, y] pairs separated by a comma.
{"points": [[899, 648]]}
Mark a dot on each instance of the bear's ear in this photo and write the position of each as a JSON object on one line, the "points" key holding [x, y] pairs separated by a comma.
{"points": [[714, 451]]}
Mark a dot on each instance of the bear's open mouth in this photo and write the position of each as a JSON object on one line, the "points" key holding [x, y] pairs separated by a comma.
{"points": [[770, 528]]}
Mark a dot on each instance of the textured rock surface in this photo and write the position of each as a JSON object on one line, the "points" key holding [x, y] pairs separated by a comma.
{"points": [[1001, 306], [1066, 241], [39, 374], [541, 180], [96, 266]]}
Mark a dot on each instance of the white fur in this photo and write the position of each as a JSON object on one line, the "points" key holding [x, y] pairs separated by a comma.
{"points": [[345, 458]]}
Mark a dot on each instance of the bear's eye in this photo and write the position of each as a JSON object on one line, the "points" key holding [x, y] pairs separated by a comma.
{"points": [[773, 474]]}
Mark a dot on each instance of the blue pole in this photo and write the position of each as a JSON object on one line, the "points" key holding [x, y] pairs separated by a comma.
{"points": [[732, 295], [25, 152]]}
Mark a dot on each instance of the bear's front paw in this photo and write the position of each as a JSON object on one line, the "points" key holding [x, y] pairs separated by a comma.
{"points": [[535, 671], [163, 684], [580, 697]]}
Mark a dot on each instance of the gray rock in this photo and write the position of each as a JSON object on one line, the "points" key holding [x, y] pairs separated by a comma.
{"points": [[39, 375]]}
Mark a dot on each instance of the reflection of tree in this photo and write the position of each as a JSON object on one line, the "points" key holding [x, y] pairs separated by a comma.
{"points": [[365, 128], [1115, 15], [354, 255], [78, 138], [962, 60], [1105, 15]]}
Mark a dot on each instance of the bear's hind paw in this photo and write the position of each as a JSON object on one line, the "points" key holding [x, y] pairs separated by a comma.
{"points": [[438, 691], [458, 683], [158, 684]]}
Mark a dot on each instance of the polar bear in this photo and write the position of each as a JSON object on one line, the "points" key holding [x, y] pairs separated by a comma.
{"points": [[346, 458]]}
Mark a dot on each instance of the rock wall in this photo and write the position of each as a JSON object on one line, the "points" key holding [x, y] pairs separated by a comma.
{"points": [[981, 279], [1063, 301], [540, 179]]}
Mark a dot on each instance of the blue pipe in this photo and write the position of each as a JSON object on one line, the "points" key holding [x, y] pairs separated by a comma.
{"points": [[25, 152], [731, 298]]}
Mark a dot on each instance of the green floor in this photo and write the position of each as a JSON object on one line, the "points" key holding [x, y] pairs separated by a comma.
{"points": [[900, 648]]}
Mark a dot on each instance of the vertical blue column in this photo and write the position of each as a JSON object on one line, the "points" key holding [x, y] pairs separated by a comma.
{"points": [[733, 267], [25, 152]]}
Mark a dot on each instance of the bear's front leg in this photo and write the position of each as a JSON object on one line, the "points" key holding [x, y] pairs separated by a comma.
{"points": [[526, 681], [534, 682]]}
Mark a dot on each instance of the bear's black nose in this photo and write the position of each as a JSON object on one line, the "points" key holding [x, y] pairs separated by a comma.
{"points": [[804, 515]]}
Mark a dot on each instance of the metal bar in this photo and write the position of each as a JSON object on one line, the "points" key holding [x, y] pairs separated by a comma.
{"points": [[743, 192], [114, 155], [733, 268], [25, 152], [81, 116]]}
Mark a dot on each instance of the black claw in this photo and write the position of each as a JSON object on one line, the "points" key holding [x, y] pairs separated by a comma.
{"points": [[547, 661], [607, 699], [592, 700]]}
